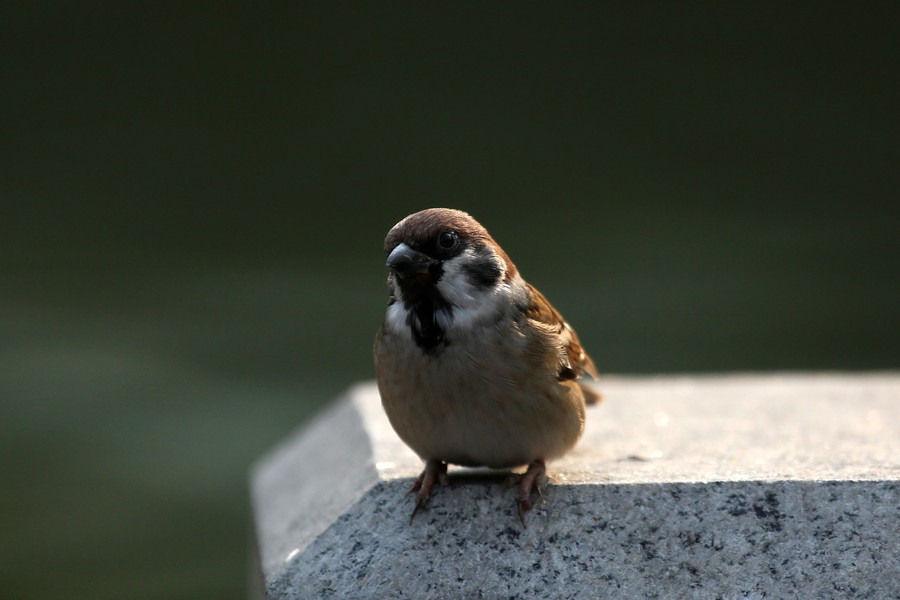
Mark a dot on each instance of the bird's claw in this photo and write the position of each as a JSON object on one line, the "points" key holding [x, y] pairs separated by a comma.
{"points": [[435, 471], [530, 482]]}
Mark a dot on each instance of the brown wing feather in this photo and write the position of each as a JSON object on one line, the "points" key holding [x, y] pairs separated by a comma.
{"points": [[578, 362]]}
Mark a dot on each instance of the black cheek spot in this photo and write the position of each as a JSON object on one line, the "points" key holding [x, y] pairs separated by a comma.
{"points": [[483, 272]]}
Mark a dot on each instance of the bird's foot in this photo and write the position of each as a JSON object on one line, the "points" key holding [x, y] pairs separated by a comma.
{"points": [[531, 482], [435, 471]]}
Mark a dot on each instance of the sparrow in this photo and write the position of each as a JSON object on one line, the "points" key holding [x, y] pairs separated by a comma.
{"points": [[474, 366]]}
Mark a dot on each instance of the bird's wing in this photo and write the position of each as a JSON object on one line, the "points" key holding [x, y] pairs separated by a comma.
{"points": [[575, 362]]}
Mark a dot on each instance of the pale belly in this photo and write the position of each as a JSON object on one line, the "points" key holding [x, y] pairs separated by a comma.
{"points": [[471, 412]]}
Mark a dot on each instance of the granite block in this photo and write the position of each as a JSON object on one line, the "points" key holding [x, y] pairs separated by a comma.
{"points": [[765, 486]]}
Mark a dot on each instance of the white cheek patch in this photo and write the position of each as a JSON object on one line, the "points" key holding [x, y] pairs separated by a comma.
{"points": [[467, 319], [471, 304], [454, 285]]}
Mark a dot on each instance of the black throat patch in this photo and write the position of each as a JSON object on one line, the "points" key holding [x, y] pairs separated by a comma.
{"points": [[424, 302]]}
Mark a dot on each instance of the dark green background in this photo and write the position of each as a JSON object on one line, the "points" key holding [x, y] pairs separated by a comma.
{"points": [[194, 197]]}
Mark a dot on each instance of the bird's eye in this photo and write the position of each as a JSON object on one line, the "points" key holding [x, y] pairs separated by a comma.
{"points": [[447, 240]]}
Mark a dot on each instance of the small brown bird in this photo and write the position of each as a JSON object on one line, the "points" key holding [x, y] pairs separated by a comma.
{"points": [[474, 366]]}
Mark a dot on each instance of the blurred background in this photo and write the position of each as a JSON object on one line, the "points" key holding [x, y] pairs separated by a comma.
{"points": [[194, 197]]}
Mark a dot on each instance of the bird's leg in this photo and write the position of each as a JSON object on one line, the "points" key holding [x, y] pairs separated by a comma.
{"points": [[435, 470], [531, 482]]}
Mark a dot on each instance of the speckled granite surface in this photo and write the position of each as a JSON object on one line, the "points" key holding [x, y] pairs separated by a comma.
{"points": [[682, 487]]}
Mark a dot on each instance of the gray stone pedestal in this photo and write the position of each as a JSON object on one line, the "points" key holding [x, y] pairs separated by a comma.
{"points": [[782, 486]]}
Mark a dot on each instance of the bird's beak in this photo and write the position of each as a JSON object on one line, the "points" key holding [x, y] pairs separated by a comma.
{"points": [[406, 262]]}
